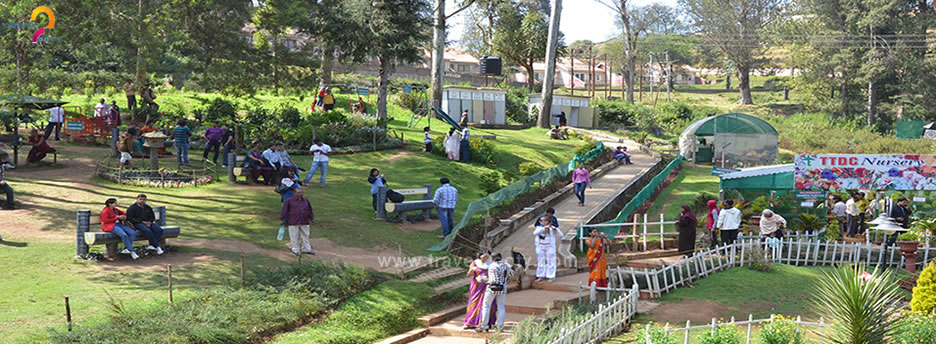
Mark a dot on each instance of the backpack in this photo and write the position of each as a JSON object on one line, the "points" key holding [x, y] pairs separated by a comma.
{"points": [[394, 197]]}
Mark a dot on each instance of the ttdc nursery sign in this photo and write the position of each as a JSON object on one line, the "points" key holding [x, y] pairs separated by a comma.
{"points": [[865, 171]]}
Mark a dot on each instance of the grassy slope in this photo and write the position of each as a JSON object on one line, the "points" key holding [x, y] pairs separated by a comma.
{"points": [[690, 181]]}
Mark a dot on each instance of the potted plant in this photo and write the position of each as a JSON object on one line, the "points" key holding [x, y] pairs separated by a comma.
{"points": [[908, 242]]}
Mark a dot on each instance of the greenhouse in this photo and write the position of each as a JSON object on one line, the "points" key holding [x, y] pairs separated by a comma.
{"points": [[737, 139]]}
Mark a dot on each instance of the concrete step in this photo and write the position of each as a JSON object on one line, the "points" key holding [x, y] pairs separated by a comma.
{"points": [[443, 316], [449, 340], [450, 285], [568, 283], [537, 301], [438, 274]]}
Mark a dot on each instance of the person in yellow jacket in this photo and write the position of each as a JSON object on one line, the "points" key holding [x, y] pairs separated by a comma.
{"points": [[328, 101]]}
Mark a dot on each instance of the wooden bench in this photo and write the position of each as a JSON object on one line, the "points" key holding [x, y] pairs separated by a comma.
{"points": [[385, 207], [86, 235], [235, 170]]}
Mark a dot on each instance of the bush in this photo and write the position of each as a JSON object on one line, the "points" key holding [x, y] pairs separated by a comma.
{"points": [[656, 336], [517, 106], [529, 168], [532, 331], [219, 110], [858, 311], [916, 328], [331, 280], [490, 182], [781, 331], [409, 101], [925, 293], [482, 151], [724, 334]]}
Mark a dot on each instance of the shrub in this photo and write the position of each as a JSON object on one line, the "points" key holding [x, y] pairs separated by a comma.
{"points": [[809, 223], [781, 331], [409, 101], [909, 236], [916, 328], [335, 281], [517, 106], [859, 311], [656, 336], [529, 168], [724, 334], [760, 203], [925, 293], [219, 110], [832, 233], [532, 331], [490, 182], [482, 151]]}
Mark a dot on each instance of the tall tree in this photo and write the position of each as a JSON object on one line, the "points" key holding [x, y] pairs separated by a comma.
{"points": [[635, 21], [548, 81], [735, 27], [437, 48], [521, 37]]}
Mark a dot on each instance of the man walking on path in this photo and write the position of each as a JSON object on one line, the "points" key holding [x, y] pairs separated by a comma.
{"points": [[465, 144], [321, 160], [445, 200], [729, 219], [297, 215], [213, 138], [56, 117], [497, 275]]}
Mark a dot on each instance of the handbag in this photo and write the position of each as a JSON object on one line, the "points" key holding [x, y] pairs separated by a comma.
{"points": [[497, 287], [281, 188]]}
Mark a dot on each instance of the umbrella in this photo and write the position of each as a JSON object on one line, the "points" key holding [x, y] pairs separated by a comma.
{"points": [[25, 102]]}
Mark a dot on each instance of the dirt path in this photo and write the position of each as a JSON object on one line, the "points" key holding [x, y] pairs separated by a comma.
{"points": [[698, 311]]}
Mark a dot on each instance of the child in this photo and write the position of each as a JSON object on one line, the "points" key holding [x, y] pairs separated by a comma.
{"points": [[427, 139], [545, 238]]}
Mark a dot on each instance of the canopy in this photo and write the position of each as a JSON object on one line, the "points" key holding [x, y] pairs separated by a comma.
{"points": [[22, 101], [776, 177], [738, 138]]}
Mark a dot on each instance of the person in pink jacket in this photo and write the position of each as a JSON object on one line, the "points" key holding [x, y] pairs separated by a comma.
{"points": [[581, 178]]}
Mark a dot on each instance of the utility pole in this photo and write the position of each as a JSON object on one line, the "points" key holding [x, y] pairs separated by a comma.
{"points": [[651, 76], [609, 81], [591, 69], [571, 74], [668, 78], [548, 83]]}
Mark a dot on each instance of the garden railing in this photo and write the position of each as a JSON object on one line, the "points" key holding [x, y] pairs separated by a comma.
{"points": [[607, 321], [749, 322]]}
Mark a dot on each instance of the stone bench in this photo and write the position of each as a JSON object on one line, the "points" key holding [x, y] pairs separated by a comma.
{"points": [[86, 235], [384, 207]]}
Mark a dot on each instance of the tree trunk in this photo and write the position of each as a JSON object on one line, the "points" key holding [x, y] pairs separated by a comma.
{"points": [[628, 79], [548, 82], [871, 102], [326, 64], [141, 68], [530, 79], [380, 104], [437, 55], [845, 95], [744, 75]]}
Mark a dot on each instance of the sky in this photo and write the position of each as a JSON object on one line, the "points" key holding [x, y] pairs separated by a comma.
{"points": [[580, 19]]}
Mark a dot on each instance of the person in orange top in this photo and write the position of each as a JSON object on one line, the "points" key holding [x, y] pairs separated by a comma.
{"points": [[112, 220], [597, 261]]}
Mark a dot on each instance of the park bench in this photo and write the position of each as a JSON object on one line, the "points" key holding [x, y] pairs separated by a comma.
{"points": [[385, 207], [86, 235], [235, 169]]}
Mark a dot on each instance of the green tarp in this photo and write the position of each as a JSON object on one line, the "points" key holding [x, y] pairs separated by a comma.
{"points": [[777, 181], [911, 130]]}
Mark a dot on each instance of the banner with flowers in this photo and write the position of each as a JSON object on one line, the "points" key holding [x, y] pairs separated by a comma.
{"points": [[833, 172]]}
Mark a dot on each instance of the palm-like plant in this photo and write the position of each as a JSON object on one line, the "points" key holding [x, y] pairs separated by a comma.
{"points": [[809, 223], [859, 309]]}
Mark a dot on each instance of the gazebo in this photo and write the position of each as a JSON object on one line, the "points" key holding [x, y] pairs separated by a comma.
{"points": [[730, 139]]}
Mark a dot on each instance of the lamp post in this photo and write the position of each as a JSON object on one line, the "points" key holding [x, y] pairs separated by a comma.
{"points": [[154, 141]]}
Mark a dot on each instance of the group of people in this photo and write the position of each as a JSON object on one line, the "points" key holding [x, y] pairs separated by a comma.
{"points": [[622, 156], [325, 100], [139, 216], [558, 133], [147, 96], [457, 145], [110, 113]]}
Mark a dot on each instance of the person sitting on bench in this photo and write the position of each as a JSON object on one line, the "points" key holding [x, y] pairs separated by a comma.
{"points": [[112, 220], [140, 215], [621, 155]]}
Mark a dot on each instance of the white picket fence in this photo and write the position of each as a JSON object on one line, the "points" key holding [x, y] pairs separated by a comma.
{"points": [[750, 322], [607, 321]]}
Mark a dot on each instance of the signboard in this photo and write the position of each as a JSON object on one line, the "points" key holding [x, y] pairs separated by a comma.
{"points": [[717, 171], [920, 199], [465, 95], [810, 195], [74, 126], [830, 172], [488, 97], [806, 204], [477, 96], [363, 91], [406, 89], [566, 102]]}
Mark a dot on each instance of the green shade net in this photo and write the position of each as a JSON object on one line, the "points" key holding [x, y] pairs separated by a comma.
{"points": [[777, 181], [641, 197], [513, 190], [910, 130]]}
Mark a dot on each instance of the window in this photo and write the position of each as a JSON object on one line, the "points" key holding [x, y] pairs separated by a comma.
{"points": [[579, 76], [538, 76]]}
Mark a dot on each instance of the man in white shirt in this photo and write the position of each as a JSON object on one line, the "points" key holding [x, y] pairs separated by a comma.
{"points": [[729, 219], [545, 239], [102, 110], [854, 213], [321, 160], [56, 117], [272, 156], [839, 211]]}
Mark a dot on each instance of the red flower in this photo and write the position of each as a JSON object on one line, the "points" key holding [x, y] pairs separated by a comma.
{"points": [[860, 172]]}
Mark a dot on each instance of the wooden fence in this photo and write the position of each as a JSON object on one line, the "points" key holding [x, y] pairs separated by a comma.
{"points": [[607, 321], [750, 322]]}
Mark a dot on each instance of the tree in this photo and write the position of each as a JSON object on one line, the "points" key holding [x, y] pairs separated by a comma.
{"points": [[548, 81], [394, 32], [521, 37], [735, 27], [437, 49]]}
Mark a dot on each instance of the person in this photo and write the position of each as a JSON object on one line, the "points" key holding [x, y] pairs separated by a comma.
{"points": [[9, 204], [320, 96], [141, 217], [147, 96], [452, 144], [465, 143], [902, 215], [115, 114], [213, 136], [445, 200], [228, 144], [622, 156], [854, 214], [257, 166], [729, 219], [712, 221], [477, 274], [555, 133], [40, 147], [297, 215], [581, 178], [497, 275], [321, 160], [427, 139], [545, 238], [549, 213], [839, 211], [464, 119], [328, 101], [181, 135], [113, 220], [596, 257], [687, 223], [131, 94], [562, 119], [56, 117], [771, 225], [285, 157], [125, 145], [272, 156], [102, 110], [289, 182], [376, 180]]}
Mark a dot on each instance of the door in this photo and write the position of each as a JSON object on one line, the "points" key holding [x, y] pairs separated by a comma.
{"points": [[489, 112]]}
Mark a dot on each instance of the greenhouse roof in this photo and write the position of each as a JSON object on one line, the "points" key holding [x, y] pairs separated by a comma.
{"points": [[776, 177], [759, 171], [731, 123]]}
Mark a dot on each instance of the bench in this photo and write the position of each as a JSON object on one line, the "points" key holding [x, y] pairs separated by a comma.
{"points": [[86, 235], [235, 170], [385, 207]]}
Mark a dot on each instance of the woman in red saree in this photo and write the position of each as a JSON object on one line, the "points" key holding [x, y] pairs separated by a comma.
{"points": [[477, 274], [597, 261], [40, 147]]}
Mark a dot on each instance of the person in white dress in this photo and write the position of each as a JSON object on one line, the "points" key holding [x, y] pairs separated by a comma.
{"points": [[452, 145], [546, 236]]}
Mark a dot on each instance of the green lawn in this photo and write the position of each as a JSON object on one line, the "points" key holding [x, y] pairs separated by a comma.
{"points": [[689, 183]]}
